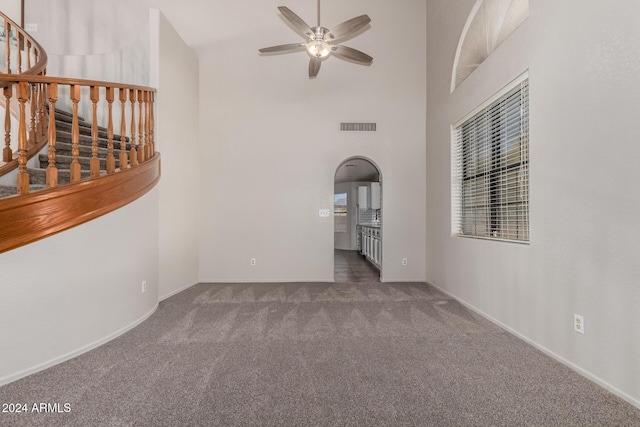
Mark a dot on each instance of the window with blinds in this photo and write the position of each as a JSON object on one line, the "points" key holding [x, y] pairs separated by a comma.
{"points": [[490, 158]]}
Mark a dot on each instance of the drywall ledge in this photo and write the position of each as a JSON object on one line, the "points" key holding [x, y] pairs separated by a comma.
{"points": [[602, 383], [26, 219]]}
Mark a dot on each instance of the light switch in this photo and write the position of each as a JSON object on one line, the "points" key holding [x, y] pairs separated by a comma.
{"points": [[325, 213]]}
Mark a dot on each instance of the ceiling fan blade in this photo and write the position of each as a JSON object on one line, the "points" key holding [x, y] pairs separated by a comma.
{"points": [[314, 67], [300, 26], [351, 54], [281, 48], [348, 28]]}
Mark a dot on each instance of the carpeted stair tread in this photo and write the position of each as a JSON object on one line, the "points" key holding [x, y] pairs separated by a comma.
{"points": [[64, 161], [85, 130], [39, 176], [64, 148], [64, 120], [6, 191], [63, 136], [63, 113], [69, 119]]}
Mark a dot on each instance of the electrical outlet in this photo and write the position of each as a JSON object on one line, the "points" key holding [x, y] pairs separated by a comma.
{"points": [[253, 261], [578, 323], [404, 261], [144, 286]]}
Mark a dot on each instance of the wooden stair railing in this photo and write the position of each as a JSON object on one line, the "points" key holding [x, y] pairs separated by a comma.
{"points": [[139, 141], [118, 170], [20, 45], [25, 47], [109, 179]]}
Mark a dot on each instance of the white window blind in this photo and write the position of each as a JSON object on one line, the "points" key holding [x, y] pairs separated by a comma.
{"points": [[490, 194]]}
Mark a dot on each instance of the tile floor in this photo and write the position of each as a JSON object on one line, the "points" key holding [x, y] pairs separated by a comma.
{"points": [[350, 266]]}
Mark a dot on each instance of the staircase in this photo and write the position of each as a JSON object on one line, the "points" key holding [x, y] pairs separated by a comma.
{"points": [[50, 183], [64, 120]]}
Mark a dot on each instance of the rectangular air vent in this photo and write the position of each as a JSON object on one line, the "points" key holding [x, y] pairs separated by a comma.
{"points": [[357, 127]]}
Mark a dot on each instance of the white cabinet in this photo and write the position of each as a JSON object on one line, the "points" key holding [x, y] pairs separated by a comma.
{"points": [[372, 245], [363, 203], [369, 196], [374, 199]]}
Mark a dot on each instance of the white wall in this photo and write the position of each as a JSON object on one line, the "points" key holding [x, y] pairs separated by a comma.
{"points": [[175, 75], [11, 8], [270, 146], [74, 299], [584, 102], [85, 27], [95, 40]]}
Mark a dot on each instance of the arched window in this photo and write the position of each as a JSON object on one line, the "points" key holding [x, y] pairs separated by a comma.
{"points": [[488, 25]]}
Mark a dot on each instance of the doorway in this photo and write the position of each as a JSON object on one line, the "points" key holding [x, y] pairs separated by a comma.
{"points": [[357, 221]]}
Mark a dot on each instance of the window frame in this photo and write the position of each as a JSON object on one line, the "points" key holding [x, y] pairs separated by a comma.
{"points": [[498, 175], [340, 216]]}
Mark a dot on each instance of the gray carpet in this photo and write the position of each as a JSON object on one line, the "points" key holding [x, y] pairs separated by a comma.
{"points": [[316, 355]]}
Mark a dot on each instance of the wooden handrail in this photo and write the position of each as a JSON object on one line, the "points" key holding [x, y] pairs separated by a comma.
{"points": [[24, 220], [15, 78], [24, 40]]}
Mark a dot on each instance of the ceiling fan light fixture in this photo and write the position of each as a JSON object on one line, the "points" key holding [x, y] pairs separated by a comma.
{"points": [[319, 41], [318, 49]]}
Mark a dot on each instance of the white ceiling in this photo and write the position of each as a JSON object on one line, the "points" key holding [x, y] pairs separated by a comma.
{"points": [[357, 170], [202, 23]]}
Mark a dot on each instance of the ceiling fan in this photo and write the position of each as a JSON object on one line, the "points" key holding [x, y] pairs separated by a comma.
{"points": [[320, 41]]}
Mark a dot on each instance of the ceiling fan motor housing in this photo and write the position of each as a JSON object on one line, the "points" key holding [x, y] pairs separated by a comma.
{"points": [[318, 47]]}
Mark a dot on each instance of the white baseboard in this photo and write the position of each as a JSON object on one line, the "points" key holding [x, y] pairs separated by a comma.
{"points": [[26, 372], [578, 369], [177, 291]]}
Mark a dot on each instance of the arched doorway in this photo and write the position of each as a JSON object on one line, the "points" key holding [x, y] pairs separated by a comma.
{"points": [[357, 221]]}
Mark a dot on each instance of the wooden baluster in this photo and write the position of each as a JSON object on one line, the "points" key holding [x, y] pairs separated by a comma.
{"points": [[33, 100], [7, 154], [133, 155], [22, 182], [75, 168], [19, 53], [94, 92], [147, 136], [41, 115], [7, 48], [28, 55], [152, 122], [141, 140], [111, 161], [52, 171], [147, 130], [146, 124], [123, 130]]}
